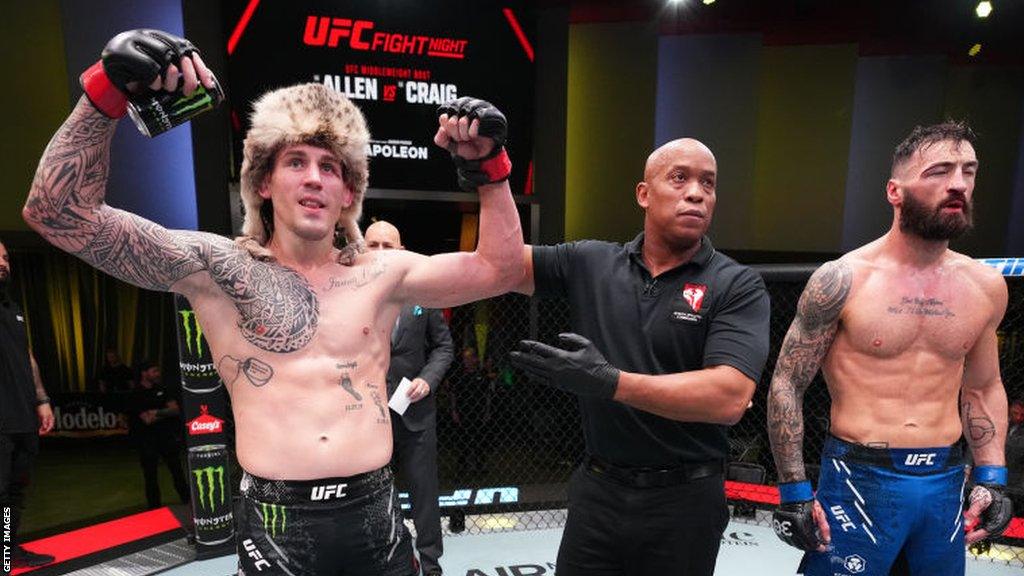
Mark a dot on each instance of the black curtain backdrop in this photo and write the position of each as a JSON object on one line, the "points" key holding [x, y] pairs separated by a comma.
{"points": [[74, 312]]}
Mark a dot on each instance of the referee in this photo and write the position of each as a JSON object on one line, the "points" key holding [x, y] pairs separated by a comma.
{"points": [[669, 340]]}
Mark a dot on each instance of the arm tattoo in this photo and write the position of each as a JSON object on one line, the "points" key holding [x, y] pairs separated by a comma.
{"points": [[806, 343], [278, 308], [979, 430], [66, 207]]}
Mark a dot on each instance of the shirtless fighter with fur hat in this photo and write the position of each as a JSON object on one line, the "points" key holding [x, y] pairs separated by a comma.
{"points": [[299, 329]]}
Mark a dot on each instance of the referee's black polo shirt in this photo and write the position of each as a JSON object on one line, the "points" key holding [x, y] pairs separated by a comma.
{"points": [[17, 388], [707, 312]]}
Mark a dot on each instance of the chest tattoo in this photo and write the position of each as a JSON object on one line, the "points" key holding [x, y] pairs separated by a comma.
{"points": [[914, 306], [361, 278], [279, 311]]}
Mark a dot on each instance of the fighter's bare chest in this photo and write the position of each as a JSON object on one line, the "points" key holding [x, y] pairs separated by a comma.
{"points": [[281, 310], [889, 318]]}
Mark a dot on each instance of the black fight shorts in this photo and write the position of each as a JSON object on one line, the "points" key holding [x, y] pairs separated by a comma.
{"points": [[334, 526]]}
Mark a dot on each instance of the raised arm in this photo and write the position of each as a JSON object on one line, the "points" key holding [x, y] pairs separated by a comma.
{"points": [[474, 131], [66, 203], [808, 340]]}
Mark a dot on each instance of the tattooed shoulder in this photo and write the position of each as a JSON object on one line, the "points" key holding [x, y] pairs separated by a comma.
{"points": [[825, 295]]}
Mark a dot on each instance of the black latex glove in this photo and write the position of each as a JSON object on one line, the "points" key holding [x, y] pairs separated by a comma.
{"points": [[576, 367]]}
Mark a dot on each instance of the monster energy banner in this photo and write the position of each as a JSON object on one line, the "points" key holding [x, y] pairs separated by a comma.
{"points": [[207, 432], [211, 494], [203, 398]]}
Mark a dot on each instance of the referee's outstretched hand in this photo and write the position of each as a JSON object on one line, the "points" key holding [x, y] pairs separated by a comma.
{"points": [[574, 366]]}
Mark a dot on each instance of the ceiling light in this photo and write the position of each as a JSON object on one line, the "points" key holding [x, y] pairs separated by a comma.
{"points": [[984, 9]]}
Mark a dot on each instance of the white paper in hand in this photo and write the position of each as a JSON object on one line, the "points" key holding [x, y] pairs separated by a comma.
{"points": [[400, 399]]}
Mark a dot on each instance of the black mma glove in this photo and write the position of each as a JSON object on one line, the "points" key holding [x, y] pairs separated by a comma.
{"points": [[996, 516], [576, 367], [793, 521], [494, 167], [132, 56]]}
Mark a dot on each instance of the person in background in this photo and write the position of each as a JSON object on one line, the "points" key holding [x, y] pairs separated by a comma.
{"points": [[25, 414], [155, 424], [422, 351]]}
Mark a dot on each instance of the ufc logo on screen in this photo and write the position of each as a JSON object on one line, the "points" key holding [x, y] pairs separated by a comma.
{"points": [[327, 492], [325, 30], [921, 459]]}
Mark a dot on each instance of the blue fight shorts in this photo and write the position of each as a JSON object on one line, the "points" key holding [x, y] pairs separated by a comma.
{"points": [[890, 508]]}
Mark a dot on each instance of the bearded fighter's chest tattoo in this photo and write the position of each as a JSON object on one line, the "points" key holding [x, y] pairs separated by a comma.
{"points": [[918, 306], [279, 311]]}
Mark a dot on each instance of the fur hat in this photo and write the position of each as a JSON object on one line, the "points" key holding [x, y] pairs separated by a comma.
{"points": [[303, 114]]}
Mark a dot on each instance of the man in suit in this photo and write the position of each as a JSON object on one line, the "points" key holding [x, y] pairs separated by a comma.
{"points": [[421, 350]]}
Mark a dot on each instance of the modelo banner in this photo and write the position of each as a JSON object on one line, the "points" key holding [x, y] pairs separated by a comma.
{"points": [[398, 64], [88, 415], [204, 404]]}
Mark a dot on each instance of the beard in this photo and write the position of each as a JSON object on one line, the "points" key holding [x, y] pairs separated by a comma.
{"points": [[919, 219]]}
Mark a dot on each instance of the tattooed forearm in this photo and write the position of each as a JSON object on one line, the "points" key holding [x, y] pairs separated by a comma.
{"points": [[806, 343], [66, 207], [71, 179], [979, 429], [256, 371]]}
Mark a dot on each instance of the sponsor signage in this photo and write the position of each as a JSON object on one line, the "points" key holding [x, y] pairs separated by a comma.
{"points": [[470, 497], [398, 66], [211, 494], [205, 423], [88, 415]]}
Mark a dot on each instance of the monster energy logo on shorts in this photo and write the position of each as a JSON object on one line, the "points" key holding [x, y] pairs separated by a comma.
{"points": [[272, 513], [207, 480], [193, 336]]}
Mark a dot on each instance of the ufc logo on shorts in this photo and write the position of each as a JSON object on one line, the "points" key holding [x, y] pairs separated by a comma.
{"points": [[842, 517], [328, 491], [782, 528], [257, 557], [926, 459]]}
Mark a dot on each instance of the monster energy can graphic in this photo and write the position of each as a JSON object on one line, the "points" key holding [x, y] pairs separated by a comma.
{"points": [[275, 518], [157, 112], [198, 374], [211, 494]]}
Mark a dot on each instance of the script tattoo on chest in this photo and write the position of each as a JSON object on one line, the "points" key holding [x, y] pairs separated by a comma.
{"points": [[915, 306], [359, 279], [279, 311]]}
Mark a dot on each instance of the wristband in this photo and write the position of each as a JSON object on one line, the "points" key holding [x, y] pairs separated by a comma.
{"points": [[102, 93], [497, 168], [796, 491], [43, 400], [989, 475]]}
